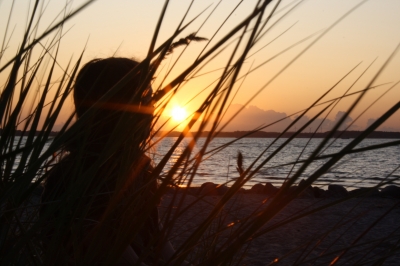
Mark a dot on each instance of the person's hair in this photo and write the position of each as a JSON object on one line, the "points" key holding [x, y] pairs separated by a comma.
{"points": [[96, 79]]}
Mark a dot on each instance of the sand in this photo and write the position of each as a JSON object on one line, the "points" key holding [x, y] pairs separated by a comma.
{"points": [[369, 226], [363, 224]]}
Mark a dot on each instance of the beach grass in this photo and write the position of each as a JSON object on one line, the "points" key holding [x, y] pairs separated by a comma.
{"points": [[215, 239]]}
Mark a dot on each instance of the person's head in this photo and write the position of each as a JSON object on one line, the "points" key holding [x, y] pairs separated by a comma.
{"points": [[96, 79]]}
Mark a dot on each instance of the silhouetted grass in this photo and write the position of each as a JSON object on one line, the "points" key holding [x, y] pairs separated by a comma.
{"points": [[24, 161]]}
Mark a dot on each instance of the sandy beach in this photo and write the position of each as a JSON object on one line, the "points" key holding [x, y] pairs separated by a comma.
{"points": [[369, 226]]}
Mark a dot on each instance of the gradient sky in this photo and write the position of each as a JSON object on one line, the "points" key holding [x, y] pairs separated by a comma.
{"points": [[125, 28]]}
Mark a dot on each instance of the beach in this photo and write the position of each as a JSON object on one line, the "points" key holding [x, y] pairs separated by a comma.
{"points": [[368, 225]]}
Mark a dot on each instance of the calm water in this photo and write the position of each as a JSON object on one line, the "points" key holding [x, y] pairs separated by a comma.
{"points": [[357, 170]]}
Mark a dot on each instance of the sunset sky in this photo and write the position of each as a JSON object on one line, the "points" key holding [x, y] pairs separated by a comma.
{"points": [[125, 28]]}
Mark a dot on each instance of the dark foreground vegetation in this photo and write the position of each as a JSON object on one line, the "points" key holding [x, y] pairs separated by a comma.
{"points": [[219, 230]]}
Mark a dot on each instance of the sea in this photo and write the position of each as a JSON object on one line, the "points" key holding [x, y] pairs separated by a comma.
{"points": [[219, 162], [362, 169]]}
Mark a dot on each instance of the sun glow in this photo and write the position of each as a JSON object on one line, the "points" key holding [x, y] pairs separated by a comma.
{"points": [[178, 114]]}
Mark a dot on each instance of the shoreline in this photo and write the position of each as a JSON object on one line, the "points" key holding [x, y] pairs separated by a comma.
{"points": [[264, 134], [268, 189]]}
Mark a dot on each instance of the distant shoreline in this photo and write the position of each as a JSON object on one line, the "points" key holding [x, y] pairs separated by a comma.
{"points": [[263, 134]]}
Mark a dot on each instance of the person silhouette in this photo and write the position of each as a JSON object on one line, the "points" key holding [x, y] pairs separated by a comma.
{"points": [[102, 194]]}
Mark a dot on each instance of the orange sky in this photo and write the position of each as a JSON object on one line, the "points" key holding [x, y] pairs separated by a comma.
{"points": [[125, 28]]}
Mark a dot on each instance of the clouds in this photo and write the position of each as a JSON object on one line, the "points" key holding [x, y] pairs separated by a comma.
{"points": [[252, 117], [382, 127], [346, 121], [370, 121]]}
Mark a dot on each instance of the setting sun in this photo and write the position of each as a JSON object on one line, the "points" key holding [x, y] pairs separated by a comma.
{"points": [[178, 114]]}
